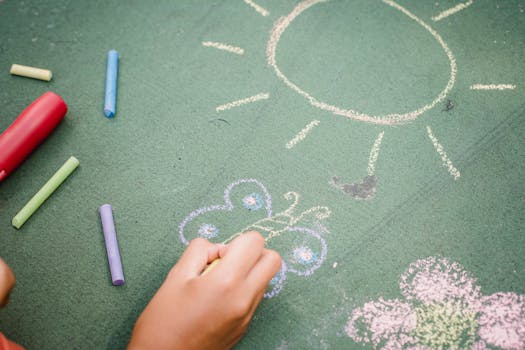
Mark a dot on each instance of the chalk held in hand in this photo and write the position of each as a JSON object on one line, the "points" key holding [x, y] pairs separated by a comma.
{"points": [[210, 266], [110, 237], [110, 101], [31, 72], [40, 197]]}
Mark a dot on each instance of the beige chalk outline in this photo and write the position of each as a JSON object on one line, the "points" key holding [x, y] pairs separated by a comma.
{"points": [[452, 10], [258, 8], [281, 222], [374, 153], [302, 134], [389, 119], [492, 87], [224, 47], [258, 97], [444, 158]]}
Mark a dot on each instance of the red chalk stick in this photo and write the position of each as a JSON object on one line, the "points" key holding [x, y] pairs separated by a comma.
{"points": [[31, 127]]}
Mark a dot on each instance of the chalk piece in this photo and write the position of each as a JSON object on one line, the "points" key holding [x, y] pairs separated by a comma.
{"points": [[210, 266], [31, 72], [110, 237], [29, 130], [40, 197], [110, 101]]}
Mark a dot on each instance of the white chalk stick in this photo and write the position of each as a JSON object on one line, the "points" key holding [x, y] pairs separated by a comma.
{"points": [[31, 72]]}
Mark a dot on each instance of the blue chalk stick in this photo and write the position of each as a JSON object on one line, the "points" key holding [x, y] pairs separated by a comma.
{"points": [[110, 102]]}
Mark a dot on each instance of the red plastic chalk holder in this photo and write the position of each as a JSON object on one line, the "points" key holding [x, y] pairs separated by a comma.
{"points": [[31, 127]]}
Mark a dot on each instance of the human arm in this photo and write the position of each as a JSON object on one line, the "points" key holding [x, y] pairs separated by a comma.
{"points": [[212, 311], [7, 282]]}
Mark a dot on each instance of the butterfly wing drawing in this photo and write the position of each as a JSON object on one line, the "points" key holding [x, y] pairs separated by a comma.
{"points": [[302, 249], [247, 205], [245, 201]]}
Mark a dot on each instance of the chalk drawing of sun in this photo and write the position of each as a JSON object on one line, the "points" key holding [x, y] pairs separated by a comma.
{"points": [[366, 188]]}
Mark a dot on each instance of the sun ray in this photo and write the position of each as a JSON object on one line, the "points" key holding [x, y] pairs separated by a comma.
{"points": [[258, 97], [224, 47], [258, 8], [302, 134], [492, 87], [446, 161], [452, 10], [374, 153]]}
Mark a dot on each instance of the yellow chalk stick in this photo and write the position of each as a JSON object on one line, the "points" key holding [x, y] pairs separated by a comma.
{"points": [[210, 266], [31, 72]]}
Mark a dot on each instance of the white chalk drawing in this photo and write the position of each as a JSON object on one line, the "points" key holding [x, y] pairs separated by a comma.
{"points": [[258, 97], [374, 152], [224, 47], [302, 134], [389, 119], [446, 161], [452, 10], [367, 187], [298, 236], [492, 87], [262, 11]]}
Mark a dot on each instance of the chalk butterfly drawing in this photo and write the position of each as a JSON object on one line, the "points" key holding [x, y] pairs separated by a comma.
{"points": [[298, 236], [443, 308]]}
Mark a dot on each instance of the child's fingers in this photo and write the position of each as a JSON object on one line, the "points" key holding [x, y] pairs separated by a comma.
{"points": [[196, 257], [7, 282], [257, 281], [241, 254], [264, 270]]}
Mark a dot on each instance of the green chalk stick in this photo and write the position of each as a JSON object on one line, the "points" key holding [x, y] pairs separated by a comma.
{"points": [[40, 197]]}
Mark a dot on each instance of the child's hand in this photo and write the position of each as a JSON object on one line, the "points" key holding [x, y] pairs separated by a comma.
{"points": [[190, 311], [7, 282]]}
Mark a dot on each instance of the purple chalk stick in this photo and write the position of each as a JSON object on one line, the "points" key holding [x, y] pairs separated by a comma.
{"points": [[110, 236]]}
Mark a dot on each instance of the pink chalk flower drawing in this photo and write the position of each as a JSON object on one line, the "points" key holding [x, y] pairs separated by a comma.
{"points": [[298, 236], [443, 308]]}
